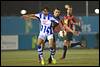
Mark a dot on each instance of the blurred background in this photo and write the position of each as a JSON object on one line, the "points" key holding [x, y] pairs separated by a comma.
{"points": [[19, 37], [16, 35]]}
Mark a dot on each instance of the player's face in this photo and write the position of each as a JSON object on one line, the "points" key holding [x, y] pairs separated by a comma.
{"points": [[45, 12], [69, 10], [56, 12]]}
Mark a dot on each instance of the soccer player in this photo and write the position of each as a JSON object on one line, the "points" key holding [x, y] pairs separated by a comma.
{"points": [[56, 15], [71, 28], [46, 31]]}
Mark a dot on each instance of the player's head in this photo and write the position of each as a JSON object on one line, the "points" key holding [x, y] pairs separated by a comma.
{"points": [[56, 12], [68, 9], [45, 10], [68, 6]]}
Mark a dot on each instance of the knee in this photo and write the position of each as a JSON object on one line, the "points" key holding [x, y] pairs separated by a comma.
{"points": [[66, 43]]}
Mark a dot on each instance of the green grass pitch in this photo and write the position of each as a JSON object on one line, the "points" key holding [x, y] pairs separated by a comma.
{"points": [[75, 57]]}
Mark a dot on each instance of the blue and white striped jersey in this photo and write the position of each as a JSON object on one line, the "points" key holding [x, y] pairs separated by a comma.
{"points": [[46, 23]]}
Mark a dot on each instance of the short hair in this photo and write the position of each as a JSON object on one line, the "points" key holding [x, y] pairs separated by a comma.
{"points": [[45, 8], [56, 9], [70, 6]]}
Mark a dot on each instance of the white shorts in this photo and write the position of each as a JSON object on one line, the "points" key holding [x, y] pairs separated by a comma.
{"points": [[44, 36]]}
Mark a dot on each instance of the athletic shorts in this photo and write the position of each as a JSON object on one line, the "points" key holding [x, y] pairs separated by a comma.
{"points": [[68, 37], [46, 40], [44, 36]]}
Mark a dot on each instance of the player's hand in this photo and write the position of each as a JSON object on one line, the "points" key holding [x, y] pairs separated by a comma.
{"points": [[25, 17]]}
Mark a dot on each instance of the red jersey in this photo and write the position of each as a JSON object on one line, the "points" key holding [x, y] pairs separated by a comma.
{"points": [[70, 22]]}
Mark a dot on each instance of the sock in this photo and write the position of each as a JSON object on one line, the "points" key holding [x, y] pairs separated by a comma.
{"points": [[74, 44], [40, 52], [65, 50], [50, 59], [39, 57], [52, 52]]}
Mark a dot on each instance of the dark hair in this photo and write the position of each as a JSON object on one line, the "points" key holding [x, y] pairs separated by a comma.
{"points": [[45, 8], [70, 5], [56, 9]]}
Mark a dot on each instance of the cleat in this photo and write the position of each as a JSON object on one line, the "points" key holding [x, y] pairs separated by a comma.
{"points": [[62, 58], [42, 61], [83, 46], [53, 61], [49, 61]]}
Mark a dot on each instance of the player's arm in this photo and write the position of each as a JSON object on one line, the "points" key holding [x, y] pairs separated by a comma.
{"points": [[77, 24], [73, 31], [54, 24], [58, 26], [25, 16], [54, 20], [32, 16], [61, 24], [70, 29], [76, 21], [67, 28], [29, 16]]}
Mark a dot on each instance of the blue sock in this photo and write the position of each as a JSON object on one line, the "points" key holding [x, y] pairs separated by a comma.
{"points": [[40, 52]]}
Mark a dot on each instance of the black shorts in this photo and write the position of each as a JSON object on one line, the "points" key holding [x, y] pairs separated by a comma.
{"points": [[68, 37]]}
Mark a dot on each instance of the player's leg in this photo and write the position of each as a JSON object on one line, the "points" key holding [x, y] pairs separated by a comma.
{"points": [[54, 45], [78, 30], [65, 47], [75, 44], [42, 46], [67, 42], [78, 43], [40, 49], [52, 48]]}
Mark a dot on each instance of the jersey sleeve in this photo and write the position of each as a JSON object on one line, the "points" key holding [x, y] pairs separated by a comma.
{"points": [[37, 15], [53, 19], [74, 19]]}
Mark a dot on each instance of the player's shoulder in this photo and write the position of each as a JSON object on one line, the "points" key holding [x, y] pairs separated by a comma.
{"points": [[65, 17], [73, 16], [50, 15]]}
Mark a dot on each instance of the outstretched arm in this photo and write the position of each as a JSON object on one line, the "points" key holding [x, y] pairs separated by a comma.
{"points": [[29, 16]]}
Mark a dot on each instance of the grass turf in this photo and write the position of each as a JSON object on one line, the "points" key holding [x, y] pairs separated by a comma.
{"points": [[75, 57]]}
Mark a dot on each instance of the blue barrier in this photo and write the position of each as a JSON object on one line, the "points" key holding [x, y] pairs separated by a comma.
{"points": [[14, 25], [25, 41], [90, 24], [91, 40]]}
